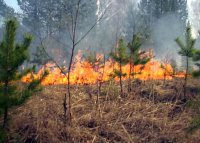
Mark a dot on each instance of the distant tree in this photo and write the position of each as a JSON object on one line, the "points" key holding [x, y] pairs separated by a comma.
{"points": [[178, 7], [31, 15], [12, 56], [159, 8], [186, 50], [152, 10], [146, 16], [121, 57], [49, 17], [41, 16], [136, 57]]}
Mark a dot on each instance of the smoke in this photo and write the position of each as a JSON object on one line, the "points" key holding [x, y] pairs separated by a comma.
{"points": [[193, 15], [112, 27], [194, 19], [121, 21], [165, 31]]}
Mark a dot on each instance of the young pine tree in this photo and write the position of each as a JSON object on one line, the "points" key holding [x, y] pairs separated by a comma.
{"points": [[12, 56], [186, 50], [195, 103], [136, 57], [196, 58], [120, 56]]}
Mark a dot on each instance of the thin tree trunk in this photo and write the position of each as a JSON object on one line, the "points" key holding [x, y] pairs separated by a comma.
{"points": [[65, 108], [99, 88], [186, 77], [5, 116], [99, 92], [100, 83], [68, 85], [74, 43], [6, 105], [129, 78], [133, 72], [120, 78], [69, 95], [165, 74]]}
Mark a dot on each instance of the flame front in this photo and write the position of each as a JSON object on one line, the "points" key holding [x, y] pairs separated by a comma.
{"points": [[85, 73]]}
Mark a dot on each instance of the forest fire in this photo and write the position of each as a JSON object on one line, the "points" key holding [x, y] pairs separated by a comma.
{"points": [[84, 72]]}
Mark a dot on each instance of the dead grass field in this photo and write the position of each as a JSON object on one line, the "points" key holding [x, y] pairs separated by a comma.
{"points": [[151, 113]]}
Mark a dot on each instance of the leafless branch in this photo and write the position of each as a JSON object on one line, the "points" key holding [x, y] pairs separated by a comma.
{"points": [[92, 27], [52, 59]]}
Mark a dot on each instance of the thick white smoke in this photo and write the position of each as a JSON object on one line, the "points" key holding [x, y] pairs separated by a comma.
{"points": [[194, 15]]}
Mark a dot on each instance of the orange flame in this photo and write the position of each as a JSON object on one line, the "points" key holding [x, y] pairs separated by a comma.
{"points": [[84, 73]]}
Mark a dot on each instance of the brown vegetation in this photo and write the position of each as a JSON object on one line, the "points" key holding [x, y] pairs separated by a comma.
{"points": [[152, 113]]}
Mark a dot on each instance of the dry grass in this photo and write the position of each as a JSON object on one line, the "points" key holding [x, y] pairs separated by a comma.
{"points": [[133, 119]]}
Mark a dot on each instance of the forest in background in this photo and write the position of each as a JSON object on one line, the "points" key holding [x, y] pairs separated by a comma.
{"points": [[50, 21]]}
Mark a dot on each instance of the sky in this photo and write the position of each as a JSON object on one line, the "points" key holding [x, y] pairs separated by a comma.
{"points": [[12, 3]]}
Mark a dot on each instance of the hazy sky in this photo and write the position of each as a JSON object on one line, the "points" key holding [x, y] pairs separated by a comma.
{"points": [[12, 3]]}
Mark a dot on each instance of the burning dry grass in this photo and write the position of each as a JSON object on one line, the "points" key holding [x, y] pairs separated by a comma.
{"points": [[101, 70], [132, 119]]}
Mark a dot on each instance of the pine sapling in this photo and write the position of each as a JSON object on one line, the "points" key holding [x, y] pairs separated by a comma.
{"points": [[121, 57], [196, 58], [186, 50], [12, 56], [136, 57]]}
